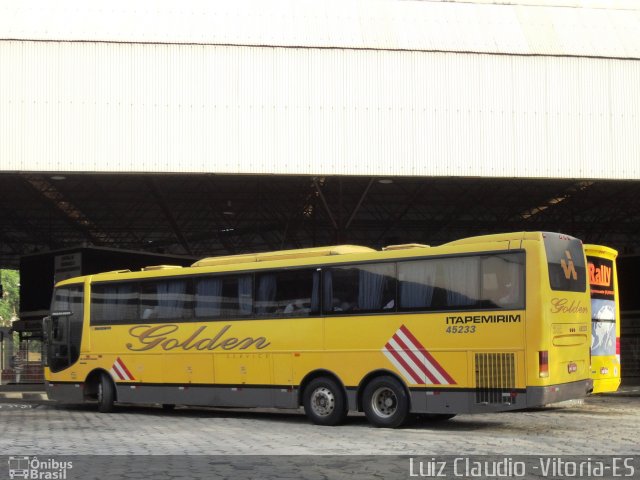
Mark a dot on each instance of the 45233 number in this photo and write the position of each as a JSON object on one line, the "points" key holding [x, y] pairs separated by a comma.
{"points": [[461, 329]]}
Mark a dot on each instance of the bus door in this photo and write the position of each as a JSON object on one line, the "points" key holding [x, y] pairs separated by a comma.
{"points": [[56, 337], [63, 328]]}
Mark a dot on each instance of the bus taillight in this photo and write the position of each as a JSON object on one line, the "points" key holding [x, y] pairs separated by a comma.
{"points": [[618, 348], [543, 359]]}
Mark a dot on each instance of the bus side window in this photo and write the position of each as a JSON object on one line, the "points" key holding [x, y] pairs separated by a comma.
{"points": [[208, 299], [223, 296], [362, 288], [341, 290], [288, 293], [423, 285], [495, 282], [461, 280], [114, 303], [503, 281], [148, 309], [165, 300], [266, 294], [417, 280]]}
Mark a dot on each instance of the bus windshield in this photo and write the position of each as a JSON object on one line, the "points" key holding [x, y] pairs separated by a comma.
{"points": [[565, 258], [603, 306]]}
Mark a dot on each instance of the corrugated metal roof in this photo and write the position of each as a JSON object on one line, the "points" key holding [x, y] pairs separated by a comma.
{"points": [[117, 107], [595, 28]]}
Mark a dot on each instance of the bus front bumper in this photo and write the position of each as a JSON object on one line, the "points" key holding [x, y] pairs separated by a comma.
{"points": [[66, 392]]}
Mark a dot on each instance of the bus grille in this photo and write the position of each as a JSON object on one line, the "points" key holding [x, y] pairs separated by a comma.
{"points": [[495, 378]]}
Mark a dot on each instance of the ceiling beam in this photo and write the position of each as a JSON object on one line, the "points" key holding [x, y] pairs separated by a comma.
{"points": [[70, 212], [162, 203], [359, 204]]}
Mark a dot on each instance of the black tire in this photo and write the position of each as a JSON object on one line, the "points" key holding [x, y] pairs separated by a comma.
{"points": [[325, 402], [106, 394], [385, 402]]}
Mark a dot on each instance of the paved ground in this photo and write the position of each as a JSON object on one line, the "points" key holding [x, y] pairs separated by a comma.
{"points": [[149, 443], [602, 425]]}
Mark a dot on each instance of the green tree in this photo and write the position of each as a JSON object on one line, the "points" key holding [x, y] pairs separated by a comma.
{"points": [[10, 301]]}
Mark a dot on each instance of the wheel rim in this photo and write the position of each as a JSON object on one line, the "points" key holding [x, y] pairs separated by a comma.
{"points": [[384, 402], [100, 393], [323, 401]]}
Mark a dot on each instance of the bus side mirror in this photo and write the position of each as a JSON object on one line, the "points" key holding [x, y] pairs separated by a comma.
{"points": [[46, 322], [46, 328]]}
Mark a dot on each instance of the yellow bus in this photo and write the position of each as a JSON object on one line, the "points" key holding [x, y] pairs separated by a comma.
{"points": [[605, 318], [484, 324]]}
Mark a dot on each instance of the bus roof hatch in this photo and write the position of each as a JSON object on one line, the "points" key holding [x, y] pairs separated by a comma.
{"points": [[282, 255]]}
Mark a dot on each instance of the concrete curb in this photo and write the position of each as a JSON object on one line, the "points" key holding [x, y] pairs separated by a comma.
{"points": [[23, 396], [624, 391]]}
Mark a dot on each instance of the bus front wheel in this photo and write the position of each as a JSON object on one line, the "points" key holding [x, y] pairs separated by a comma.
{"points": [[106, 394], [385, 402], [324, 402]]}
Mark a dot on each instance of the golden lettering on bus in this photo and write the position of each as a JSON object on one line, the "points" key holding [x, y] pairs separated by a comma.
{"points": [[568, 267], [563, 305], [203, 344], [162, 336]]}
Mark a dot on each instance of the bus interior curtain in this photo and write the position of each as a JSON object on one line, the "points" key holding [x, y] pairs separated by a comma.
{"points": [[416, 286], [515, 281], [327, 290], [245, 294], [208, 297], [463, 274], [266, 293], [105, 302], [171, 298], [126, 302], [370, 288], [315, 293]]}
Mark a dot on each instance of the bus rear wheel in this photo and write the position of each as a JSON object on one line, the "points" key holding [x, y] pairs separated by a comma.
{"points": [[106, 394], [324, 402], [385, 402]]}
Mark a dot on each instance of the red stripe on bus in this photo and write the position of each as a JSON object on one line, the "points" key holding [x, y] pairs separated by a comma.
{"points": [[124, 367], [118, 371], [435, 363], [402, 362], [407, 350]]}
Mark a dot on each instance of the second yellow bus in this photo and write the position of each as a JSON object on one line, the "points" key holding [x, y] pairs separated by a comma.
{"points": [[605, 318]]}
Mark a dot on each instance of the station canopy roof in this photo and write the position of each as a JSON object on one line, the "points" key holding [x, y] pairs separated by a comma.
{"points": [[209, 215]]}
